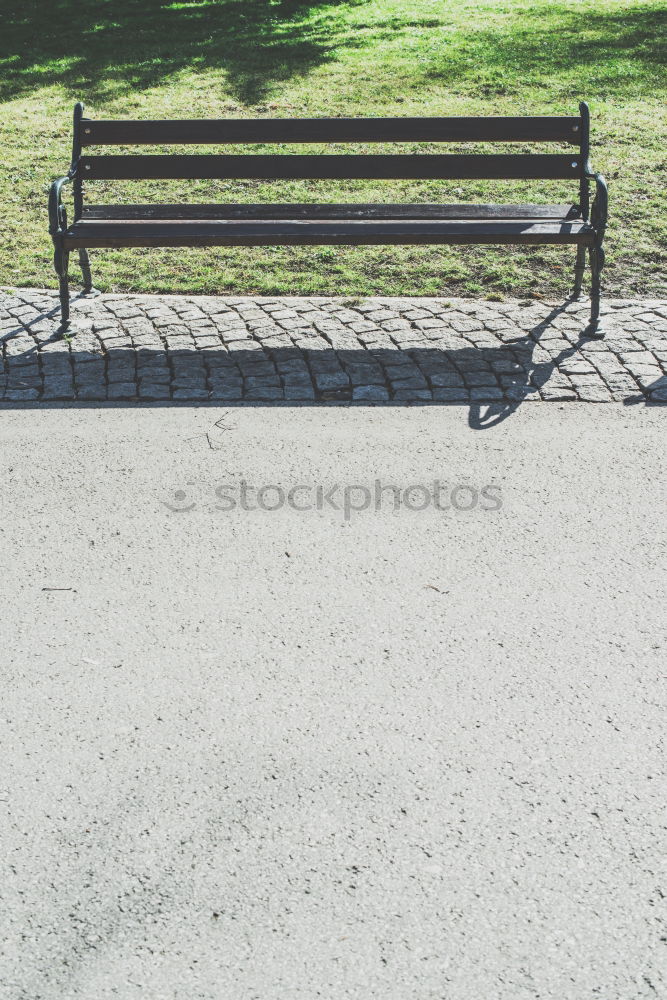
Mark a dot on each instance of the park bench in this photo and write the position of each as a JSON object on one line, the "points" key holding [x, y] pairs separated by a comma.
{"points": [[352, 224]]}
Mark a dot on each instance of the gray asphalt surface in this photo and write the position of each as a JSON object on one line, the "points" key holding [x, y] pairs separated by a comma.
{"points": [[402, 754]]}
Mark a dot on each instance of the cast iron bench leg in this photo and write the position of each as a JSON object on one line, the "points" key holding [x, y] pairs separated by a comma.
{"points": [[579, 268], [61, 263], [597, 256], [84, 261]]}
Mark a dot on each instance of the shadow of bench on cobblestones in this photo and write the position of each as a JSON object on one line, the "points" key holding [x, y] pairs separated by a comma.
{"points": [[656, 392], [124, 356]]}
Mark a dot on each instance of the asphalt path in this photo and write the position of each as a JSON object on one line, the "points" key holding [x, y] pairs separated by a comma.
{"points": [[354, 750]]}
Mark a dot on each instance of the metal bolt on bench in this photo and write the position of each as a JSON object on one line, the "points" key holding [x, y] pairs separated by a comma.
{"points": [[349, 224]]}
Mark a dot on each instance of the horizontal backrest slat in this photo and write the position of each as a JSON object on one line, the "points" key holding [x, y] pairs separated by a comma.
{"points": [[331, 167], [535, 129]]}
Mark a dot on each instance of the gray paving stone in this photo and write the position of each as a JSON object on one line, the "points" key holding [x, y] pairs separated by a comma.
{"points": [[336, 395], [154, 390], [298, 391], [370, 393], [609, 366], [15, 349], [481, 394], [225, 376], [586, 381], [267, 392], [431, 324], [471, 362], [576, 367], [446, 380], [20, 395], [517, 392], [292, 366], [378, 315], [258, 369], [122, 390], [321, 358], [56, 387], [620, 382], [189, 382], [657, 347], [263, 382], [637, 357], [23, 362], [90, 391], [415, 314], [226, 392], [124, 374], [557, 378], [187, 363], [507, 381], [451, 395], [412, 395], [646, 378], [479, 379], [190, 392], [555, 393], [331, 380], [18, 380], [83, 376], [154, 380], [411, 382], [365, 327], [297, 378], [469, 325], [593, 394], [405, 370]]}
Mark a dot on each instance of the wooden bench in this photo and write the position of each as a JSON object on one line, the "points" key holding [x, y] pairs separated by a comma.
{"points": [[294, 225]]}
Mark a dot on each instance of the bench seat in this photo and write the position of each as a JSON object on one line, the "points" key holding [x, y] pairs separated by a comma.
{"points": [[296, 225]]}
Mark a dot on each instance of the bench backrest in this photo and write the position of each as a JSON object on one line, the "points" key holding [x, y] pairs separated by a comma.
{"points": [[571, 131], [565, 130]]}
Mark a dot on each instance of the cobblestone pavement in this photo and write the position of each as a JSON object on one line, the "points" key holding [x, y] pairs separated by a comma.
{"points": [[316, 349]]}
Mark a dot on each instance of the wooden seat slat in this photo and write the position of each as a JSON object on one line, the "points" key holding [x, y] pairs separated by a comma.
{"points": [[322, 211], [334, 231]]}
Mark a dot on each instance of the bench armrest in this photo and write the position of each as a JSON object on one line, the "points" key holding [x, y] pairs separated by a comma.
{"points": [[57, 213], [600, 203]]}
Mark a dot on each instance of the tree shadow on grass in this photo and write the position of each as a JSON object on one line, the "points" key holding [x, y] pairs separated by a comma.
{"points": [[615, 52], [101, 49]]}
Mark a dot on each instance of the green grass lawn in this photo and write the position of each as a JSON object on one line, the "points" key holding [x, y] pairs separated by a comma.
{"points": [[258, 58]]}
